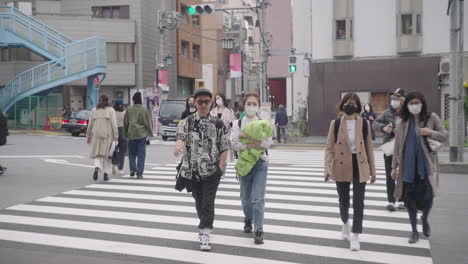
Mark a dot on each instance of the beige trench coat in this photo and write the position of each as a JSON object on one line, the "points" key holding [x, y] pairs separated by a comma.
{"points": [[338, 161], [440, 134], [102, 129]]}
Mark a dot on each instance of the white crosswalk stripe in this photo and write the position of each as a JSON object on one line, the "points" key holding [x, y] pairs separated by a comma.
{"points": [[149, 219]]}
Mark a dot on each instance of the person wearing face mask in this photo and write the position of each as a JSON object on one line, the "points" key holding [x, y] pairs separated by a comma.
{"points": [[190, 108], [415, 165], [253, 185], [387, 123], [369, 115], [349, 158], [222, 111]]}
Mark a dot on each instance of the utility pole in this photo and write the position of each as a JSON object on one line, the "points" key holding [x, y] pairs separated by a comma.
{"points": [[264, 52], [457, 114]]}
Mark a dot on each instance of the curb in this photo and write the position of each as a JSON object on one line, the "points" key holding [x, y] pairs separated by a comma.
{"points": [[453, 167], [39, 132]]}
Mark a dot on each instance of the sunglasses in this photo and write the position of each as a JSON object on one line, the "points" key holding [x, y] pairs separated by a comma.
{"points": [[206, 102]]}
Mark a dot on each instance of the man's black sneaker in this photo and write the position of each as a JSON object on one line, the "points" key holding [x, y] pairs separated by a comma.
{"points": [[259, 236], [132, 173], [247, 225], [106, 177]]}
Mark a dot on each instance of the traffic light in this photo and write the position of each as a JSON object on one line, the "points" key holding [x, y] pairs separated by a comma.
{"points": [[200, 9], [292, 64]]}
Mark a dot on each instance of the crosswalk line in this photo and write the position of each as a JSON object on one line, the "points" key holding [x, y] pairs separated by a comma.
{"points": [[158, 252], [220, 201], [301, 171], [269, 188], [298, 198], [273, 181], [226, 212], [219, 239], [187, 221]]}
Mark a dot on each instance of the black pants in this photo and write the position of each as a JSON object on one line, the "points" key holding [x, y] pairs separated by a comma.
{"points": [[390, 181], [279, 131], [122, 147], [359, 190], [204, 193]]}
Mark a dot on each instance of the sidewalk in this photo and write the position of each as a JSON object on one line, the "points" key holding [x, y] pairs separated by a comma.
{"points": [[39, 132]]}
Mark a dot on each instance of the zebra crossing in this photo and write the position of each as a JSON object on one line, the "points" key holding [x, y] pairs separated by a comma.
{"points": [[148, 219]]}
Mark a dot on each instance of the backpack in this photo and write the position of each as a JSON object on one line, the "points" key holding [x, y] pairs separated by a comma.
{"points": [[365, 131]]}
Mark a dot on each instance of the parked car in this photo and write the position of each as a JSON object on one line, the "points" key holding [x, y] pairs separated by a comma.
{"points": [[170, 112], [77, 123]]}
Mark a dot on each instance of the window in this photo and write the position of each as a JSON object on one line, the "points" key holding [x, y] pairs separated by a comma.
{"points": [[407, 24], [120, 52], [251, 41], [249, 20], [196, 52], [340, 29], [351, 29], [418, 24], [185, 48], [196, 20], [19, 54], [224, 2], [111, 11]]}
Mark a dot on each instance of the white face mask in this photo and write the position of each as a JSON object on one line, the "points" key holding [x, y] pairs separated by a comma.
{"points": [[415, 108], [219, 102], [367, 108], [251, 110], [395, 104]]}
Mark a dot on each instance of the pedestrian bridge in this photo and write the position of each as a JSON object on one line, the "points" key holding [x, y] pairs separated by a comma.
{"points": [[69, 60]]}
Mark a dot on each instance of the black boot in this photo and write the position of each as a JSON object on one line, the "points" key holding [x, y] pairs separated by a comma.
{"points": [[106, 177], [259, 236], [247, 225], [413, 238], [426, 226], [95, 175]]}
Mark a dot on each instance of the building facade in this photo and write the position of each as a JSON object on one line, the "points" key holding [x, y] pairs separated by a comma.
{"points": [[372, 47]]}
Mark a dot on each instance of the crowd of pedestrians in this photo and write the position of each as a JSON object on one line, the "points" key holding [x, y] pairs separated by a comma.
{"points": [[209, 136]]}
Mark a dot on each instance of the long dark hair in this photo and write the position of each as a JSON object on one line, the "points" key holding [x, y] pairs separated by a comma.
{"points": [[187, 106], [223, 97], [371, 109], [346, 98], [103, 102], [405, 113]]}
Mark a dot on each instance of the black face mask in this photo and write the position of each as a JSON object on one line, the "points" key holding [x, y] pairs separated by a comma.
{"points": [[349, 109]]}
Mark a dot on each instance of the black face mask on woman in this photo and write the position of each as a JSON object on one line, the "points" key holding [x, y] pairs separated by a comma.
{"points": [[349, 109]]}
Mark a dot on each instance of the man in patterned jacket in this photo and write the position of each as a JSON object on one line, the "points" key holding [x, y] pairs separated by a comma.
{"points": [[204, 141]]}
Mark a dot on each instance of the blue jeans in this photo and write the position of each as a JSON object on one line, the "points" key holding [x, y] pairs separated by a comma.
{"points": [[137, 149], [252, 193]]}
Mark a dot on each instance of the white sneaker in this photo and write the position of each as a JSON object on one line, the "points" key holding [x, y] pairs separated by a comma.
{"points": [[354, 242], [205, 242], [401, 205], [121, 172], [345, 231]]}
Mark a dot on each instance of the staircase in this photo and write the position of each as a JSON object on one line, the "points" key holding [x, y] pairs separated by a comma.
{"points": [[69, 60]]}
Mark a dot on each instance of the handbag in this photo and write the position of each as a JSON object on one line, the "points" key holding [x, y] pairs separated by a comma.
{"points": [[388, 147], [113, 153], [431, 144]]}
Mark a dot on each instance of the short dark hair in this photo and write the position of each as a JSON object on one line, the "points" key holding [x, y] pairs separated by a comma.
{"points": [[203, 91], [346, 98], [405, 113], [137, 98], [247, 95], [103, 102]]}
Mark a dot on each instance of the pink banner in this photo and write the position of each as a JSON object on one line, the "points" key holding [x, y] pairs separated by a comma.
{"points": [[235, 63], [162, 81]]}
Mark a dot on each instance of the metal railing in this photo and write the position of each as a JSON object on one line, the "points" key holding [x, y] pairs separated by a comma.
{"points": [[33, 30], [80, 56]]}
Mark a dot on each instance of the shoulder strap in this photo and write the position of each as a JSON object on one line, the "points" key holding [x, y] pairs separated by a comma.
{"points": [[337, 127]]}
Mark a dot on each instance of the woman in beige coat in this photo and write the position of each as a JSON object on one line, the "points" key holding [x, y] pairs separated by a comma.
{"points": [[415, 165], [349, 158], [102, 131]]}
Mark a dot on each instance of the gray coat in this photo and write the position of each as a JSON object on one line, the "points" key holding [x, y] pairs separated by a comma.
{"points": [[440, 134], [387, 117], [102, 129]]}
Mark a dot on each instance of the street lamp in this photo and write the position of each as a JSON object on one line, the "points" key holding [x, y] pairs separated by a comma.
{"points": [[168, 60], [228, 43]]}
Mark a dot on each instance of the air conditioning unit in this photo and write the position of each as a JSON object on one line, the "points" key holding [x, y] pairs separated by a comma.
{"points": [[444, 67]]}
